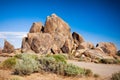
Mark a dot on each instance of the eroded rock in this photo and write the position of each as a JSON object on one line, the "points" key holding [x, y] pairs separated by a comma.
{"points": [[108, 48], [36, 27], [8, 48]]}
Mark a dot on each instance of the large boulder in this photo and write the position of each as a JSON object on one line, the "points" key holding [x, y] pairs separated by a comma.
{"points": [[8, 48], [77, 38], [94, 53], [67, 47], [25, 45], [42, 43], [55, 24], [86, 45], [108, 48], [60, 31], [36, 27]]}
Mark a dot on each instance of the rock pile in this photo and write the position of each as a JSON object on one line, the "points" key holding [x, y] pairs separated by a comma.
{"points": [[56, 37]]}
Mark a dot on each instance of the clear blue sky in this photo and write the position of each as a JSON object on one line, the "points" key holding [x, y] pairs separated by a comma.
{"points": [[96, 20]]}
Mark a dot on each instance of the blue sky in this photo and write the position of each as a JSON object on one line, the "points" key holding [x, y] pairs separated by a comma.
{"points": [[96, 20]]}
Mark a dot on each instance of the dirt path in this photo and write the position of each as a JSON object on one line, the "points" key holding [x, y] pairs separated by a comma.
{"points": [[104, 70]]}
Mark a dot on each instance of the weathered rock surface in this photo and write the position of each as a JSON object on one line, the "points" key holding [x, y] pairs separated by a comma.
{"points": [[8, 48], [108, 48], [25, 45], [36, 27], [42, 43], [86, 45], [55, 24], [55, 37], [93, 53], [77, 38]]}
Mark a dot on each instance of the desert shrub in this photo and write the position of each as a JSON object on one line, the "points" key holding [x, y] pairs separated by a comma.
{"points": [[88, 72], [72, 70], [26, 65], [109, 61], [116, 76], [60, 58], [20, 56], [96, 75], [52, 63], [9, 63]]}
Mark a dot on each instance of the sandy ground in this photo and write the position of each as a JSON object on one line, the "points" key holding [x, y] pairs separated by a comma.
{"points": [[104, 70]]}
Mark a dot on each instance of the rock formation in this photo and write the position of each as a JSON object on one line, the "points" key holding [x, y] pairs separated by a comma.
{"points": [[108, 48], [8, 48], [55, 37], [36, 27], [77, 38]]}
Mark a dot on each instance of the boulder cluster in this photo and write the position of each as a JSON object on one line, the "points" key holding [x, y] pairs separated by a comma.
{"points": [[56, 37]]}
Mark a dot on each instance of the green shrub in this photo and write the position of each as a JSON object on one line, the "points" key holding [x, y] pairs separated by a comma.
{"points": [[60, 58], [52, 63], [20, 56], [72, 70], [26, 65], [116, 76], [9, 63]]}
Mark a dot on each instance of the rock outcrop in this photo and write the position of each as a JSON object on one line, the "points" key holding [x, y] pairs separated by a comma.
{"points": [[77, 38], [55, 37], [108, 48], [8, 48], [36, 27]]}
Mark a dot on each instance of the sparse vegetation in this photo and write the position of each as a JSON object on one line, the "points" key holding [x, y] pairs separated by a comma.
{"points": [[9, 63], [21, 56], [72, 70], [26, 65], [116, 76]]}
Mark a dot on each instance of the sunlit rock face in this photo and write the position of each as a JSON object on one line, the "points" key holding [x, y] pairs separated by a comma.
{"points": [[8, 47], [108, 48], [56, 37]]}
